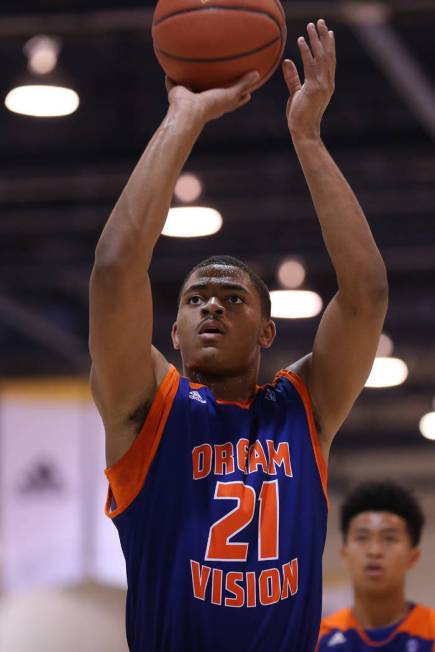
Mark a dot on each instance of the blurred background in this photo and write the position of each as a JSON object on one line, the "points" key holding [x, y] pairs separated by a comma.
{"points": [[61, 572]]}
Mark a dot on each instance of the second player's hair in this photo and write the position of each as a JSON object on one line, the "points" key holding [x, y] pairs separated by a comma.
{"points": [[230, 261], [384, 496]]}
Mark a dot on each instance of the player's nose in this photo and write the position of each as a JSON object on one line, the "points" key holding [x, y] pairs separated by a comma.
{"points": [[374, 549], [213, 306]]}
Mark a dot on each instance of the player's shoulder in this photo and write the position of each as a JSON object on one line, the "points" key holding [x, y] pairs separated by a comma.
{"points": [[421, 620], [340, 620], [425, 610]]}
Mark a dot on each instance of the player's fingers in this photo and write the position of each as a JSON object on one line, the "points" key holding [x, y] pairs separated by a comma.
{"points": [[326, 38], [332, 44], [245, 83], [244, 100], [322, 30], [169, 84], [291, 76], [315, 43], [307, 57]]}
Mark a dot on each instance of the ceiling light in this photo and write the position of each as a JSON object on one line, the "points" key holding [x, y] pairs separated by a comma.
{"points": [[387, 372], [42, 53], [295, 304], [42, 101], [42, 93], [385, 346], [291, 273], [188, 188], [192, 222], [427, 425]]}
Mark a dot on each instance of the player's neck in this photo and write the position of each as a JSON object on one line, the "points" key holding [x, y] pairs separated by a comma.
{"points": [[238, 388], [372, 612]]}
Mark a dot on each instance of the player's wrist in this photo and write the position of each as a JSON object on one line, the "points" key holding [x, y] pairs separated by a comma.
{"points": [[188, 116], [306, 136]]}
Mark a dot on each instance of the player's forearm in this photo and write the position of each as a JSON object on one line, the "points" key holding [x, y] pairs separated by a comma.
{"points": [[356, 259], [139, 215]]}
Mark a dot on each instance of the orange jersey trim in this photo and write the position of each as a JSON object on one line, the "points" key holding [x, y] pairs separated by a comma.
{"points": [[417, 623], [302, 390], [127, 476], [420, 622]]}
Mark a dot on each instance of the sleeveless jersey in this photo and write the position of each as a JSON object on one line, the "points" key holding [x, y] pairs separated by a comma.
{"points": [[415, 633], [221, 511]]}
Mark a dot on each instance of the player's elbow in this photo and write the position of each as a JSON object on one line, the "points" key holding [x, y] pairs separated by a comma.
{"points": [[117, 259], [376, 286], [368, 293]]}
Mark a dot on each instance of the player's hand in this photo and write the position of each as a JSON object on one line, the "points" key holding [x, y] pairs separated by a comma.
{"points": [[308, 101], [212, 104]]}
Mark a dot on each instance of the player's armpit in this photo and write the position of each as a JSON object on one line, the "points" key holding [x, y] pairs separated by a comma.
{"points": [[122, 425], [126, 370]]}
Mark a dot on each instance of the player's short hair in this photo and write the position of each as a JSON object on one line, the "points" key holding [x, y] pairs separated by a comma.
{"points": [[255, 279], [384, 496]]}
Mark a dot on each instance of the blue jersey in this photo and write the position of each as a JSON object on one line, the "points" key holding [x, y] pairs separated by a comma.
{"points": [[415, 633], [221, 511]]}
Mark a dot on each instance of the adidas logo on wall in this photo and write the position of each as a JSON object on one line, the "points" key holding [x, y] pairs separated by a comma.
{"points": [[42, 477]]}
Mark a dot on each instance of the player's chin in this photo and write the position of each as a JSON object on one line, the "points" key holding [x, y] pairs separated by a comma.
{"points": [[374, 587], [214, 361]]}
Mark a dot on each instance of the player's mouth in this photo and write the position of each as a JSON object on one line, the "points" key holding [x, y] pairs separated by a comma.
{"points": [[210, 328], [374, 570]]}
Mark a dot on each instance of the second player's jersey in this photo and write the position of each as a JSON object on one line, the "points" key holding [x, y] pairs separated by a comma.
{"points": [[415, 633], [221, 511]]}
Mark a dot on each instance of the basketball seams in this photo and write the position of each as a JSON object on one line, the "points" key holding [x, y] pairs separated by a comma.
{"points": [[230, 57], [217, 8], [283, 37], [199, 51], [281, 10]]}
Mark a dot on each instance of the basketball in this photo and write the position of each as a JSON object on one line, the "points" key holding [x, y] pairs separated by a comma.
{"points": [[206, 44]]}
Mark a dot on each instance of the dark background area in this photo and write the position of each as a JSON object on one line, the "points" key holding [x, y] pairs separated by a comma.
{"points": [[59, 179]]}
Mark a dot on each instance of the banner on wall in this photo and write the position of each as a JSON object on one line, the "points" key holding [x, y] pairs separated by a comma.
{"points": [[105, 563], [40, 492]]}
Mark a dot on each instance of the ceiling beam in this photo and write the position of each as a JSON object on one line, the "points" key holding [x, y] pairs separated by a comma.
{"points": [[39, 329], [398, 64], [134, 20]]}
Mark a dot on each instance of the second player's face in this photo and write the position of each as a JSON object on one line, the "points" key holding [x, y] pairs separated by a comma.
{"points": [[220, 328], [378, 553]]}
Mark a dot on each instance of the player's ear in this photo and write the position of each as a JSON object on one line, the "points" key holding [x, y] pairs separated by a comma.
{"points": [[267, 334], [174, 335], [415, 555]]}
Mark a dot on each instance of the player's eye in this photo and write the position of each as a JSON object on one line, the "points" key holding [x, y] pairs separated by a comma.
{"points": [[233, 298], [194, 300]]}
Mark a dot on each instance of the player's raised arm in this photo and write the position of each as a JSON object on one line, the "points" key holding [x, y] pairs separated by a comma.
{"points": [[347, 338], [126, 370]]}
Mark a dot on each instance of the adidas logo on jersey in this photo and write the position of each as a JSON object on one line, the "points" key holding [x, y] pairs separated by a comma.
{"points": [[412, 645], [338, 638], [196, 396], [270, 395]]}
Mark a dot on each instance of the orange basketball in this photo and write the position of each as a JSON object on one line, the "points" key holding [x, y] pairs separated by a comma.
{"points": [[205, 44]]}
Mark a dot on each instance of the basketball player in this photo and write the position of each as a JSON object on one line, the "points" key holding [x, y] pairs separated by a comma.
{"points": [[381, 524], [218, 486]]}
